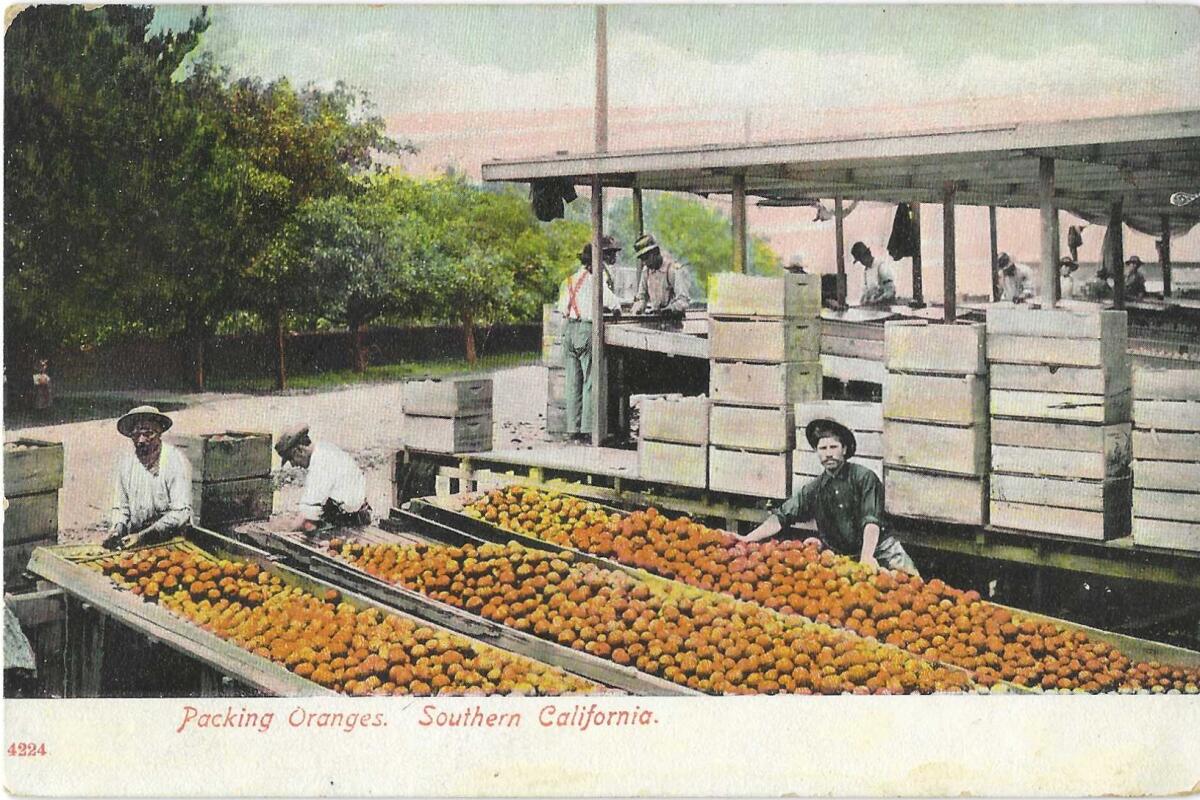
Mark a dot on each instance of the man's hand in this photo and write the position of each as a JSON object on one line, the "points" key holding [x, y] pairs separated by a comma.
{"points": [[115, 535], [870, 562], [767, 529]]}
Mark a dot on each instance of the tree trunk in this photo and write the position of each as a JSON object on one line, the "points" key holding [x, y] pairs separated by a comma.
{"points": [[280, 355], [196, 336], [469, 336], [358, 349]]}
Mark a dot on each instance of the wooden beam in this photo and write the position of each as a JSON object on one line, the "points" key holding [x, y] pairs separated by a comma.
{"points": [[997, 289], [1164, 255], [1116, 242], [1049, 276], [949, 260], [918, 289], [840, 242], [739, 223], [599, 368]]}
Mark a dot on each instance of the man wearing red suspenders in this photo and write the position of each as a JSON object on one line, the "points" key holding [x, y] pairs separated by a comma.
{"points": [[575, 304]]}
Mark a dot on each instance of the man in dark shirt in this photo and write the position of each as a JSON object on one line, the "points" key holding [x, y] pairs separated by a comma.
{"points": [[846, 501], [1135, 281]]}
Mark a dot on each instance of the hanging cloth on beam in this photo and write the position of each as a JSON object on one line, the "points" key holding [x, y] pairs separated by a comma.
{"points": [[902, 243], [1149, 224], [1074, 241], [548, 195]]}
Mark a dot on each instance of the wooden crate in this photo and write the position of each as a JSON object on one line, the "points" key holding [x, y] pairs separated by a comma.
{"points": [[757, 474], [1072, 522], [556, 384], [460, 397], [1070, 380], [918, 346], [1110, 496], [681, 420], [1166, 533], [448, 434], [739, 383], [764, 340], [556, 418], [1061, 323], [1177, 506], [226, 456], [1113, 441], [807, 465], [1079, 464], [942, 448], [1172, 476], [677, 464], [736, 295], [1110, 355], [850, 347], [935, 398], [770, 430], [16, 558], [552, 351], [1166, 446], [226, 502], [855, 415], [32, 466], [1061, 407], [1166, 384], [1167, 415], [870, 443], [31, 517], [929, 495]]}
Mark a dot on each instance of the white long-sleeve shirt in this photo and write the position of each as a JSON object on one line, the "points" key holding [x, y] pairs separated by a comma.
{"points": [[881, 271], [332, 475], [142, 498], [1018, 285], [579, 288]]}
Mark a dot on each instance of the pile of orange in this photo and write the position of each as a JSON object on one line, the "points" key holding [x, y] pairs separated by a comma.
{"points": [[710, 644], [324, 640], [928, 619]]}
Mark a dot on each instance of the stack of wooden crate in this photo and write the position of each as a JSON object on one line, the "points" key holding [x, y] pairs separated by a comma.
{"points": [[673, 441], [865, 420], [231, 476], [1061, 399], [1166, 454], [764, 350], [935, 422], [552, 357], [448, 416], [33, 474]]}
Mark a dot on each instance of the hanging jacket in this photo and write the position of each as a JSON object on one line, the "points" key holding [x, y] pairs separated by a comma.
{"points": [[547, 196], [902, 243]]}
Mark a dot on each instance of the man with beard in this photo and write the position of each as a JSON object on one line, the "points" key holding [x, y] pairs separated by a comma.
{"points": [[846, 501], [153, 496]]}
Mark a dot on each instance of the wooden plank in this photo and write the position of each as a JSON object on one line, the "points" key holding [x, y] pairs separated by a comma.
{"points": [[930, 398], [681, 420], [678, 464], [1092, 322], [218, 504], [757, 474], [1070, 522], [854, 323], [869, 349], [764, 384], [1178, 506], [458, 397], [1081, 464], [1167, 415], [1108, 496], [1114, 439], [927, 495], [556, 384], [942, 448], [770, 430], [764, 340], [807, 464], [1166, 384], [1043, 378], [1174, 476], [32, 466], [870, 443], [917, 346], [847, 369], [856, 415], [226, 456], [1165, 446], [1166, 533], [1061, 407], [448, 434], [792, 295], [1009, 349], [31, 517]]}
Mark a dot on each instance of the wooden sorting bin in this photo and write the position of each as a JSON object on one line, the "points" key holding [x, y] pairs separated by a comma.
{"points": [[670, 463], [760, 429], [756, 474], [942, 448], [764, 340], [678, 420], [450, 416], [938, 399], [741, 383], [448, 434], [231, 476], [1166, 451], [793, 295], [33, 476], [921, 347], [929, 495], [32, 466], [463, 397]]}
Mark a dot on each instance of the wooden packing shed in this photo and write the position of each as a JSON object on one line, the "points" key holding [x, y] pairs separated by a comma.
{"points": [[1122, 169]]}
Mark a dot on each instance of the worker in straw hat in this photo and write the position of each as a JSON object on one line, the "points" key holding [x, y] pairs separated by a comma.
{"points": [[663, 286], [846, 500], [335, 489], [153, 496]]}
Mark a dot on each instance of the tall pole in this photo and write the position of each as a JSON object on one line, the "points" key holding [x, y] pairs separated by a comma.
{"points": [[949, 260], [1164, 256], [839, 235], [739, 222], [995, 240], [918, 288], [599, 365], [601, 79], [1116, 242], [639, 221], [1049, 276]]}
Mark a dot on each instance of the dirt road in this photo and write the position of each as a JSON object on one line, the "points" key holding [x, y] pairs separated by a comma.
{"points": [[366, 421]]}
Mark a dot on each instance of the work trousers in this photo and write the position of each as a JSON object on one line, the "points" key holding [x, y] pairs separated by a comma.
{"points": [[577, 358]]}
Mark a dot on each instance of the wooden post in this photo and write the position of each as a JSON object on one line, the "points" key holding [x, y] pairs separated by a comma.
{"points": [[1049, 281], [739, 223], [599, 367], [1116, 242], [1164, 256], [840, 237], [949, 260], [997, 289], [918, 289], [639, 222]]}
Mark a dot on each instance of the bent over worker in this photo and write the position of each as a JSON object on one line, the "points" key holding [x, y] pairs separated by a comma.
{"points": [[879, 277], [153, 496], [663, 285], [1017, 279], [846, 500], [335, 489], [575, 305]]}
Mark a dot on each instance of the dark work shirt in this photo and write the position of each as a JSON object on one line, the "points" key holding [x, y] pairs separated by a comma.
{"points": [[841, 505]]}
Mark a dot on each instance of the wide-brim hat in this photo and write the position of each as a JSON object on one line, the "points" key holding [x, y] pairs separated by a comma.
{"points": [[289, 439], [645, 244], [843, 433], [1134, 260], [607, 244], [125, 423]]}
